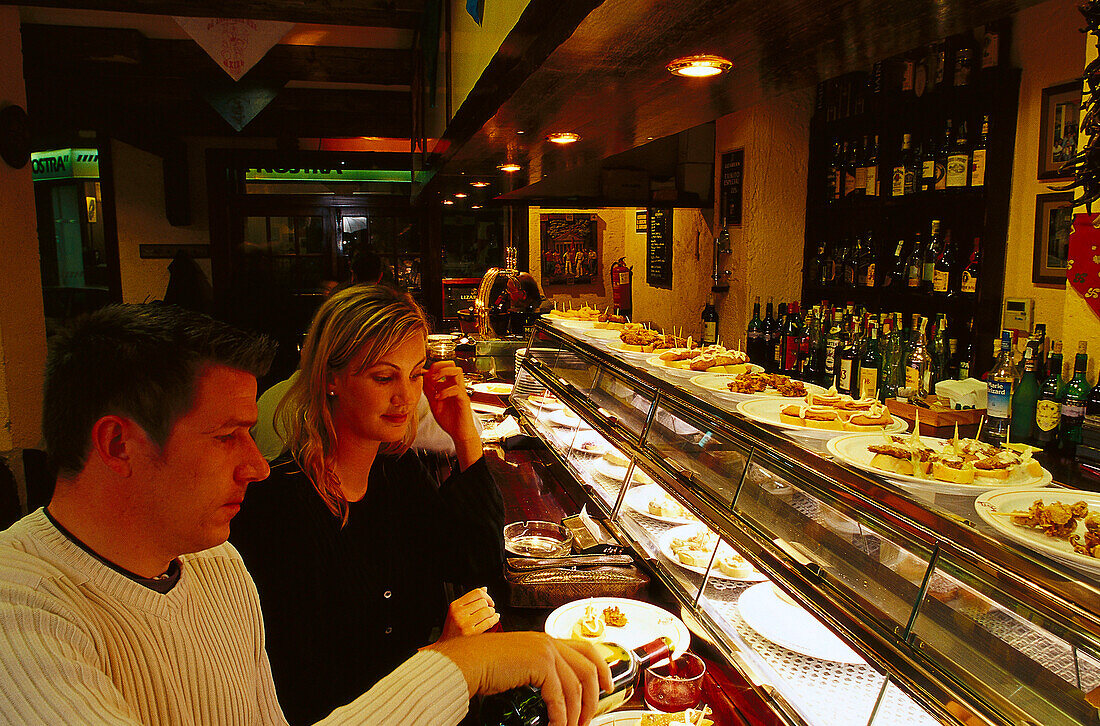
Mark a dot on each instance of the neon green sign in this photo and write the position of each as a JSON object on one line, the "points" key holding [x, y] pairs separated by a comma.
{"points": [[334, 175], [65, 164]]}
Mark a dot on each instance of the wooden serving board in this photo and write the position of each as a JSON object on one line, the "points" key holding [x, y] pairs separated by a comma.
{"points": [[934, 422]]}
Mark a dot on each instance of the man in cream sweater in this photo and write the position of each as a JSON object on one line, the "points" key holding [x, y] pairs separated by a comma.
{"points": [[121, 603]]}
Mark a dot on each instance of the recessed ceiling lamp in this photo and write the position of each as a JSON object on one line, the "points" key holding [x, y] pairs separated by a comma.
{"points": [[479, 184], [562, 137], [509, 168], [448, 201], [460, 195], [699, 66], [475, 206]]}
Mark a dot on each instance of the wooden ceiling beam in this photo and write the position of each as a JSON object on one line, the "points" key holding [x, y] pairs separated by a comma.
{"points": [[367, 13], [100, 53]]}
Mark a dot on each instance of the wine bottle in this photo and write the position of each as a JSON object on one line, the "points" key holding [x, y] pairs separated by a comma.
{"points": [[870, 169], [914, 265], [939, 353], [775, 345], [1048, 407], [966, 355], [935, 246], [754, 336], [942, 152], [977, 156], [970, 274], [1000, 382], [792, 342], [524, 706], [918, 364], [958, 161], [769, 329], [895, 275], [1074, 396], [846, 362], [944, 269], [710, 323], [1024, 402], [869, 366]]}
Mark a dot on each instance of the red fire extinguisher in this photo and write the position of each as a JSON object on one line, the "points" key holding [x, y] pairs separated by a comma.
{"points": [[620, 286]]}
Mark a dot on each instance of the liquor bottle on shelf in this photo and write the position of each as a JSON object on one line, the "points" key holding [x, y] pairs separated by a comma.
{"points": [[1074, 396], [944, 269], [904, 176], [964, 59], [769, 329], [1048, 407], [870, 169], [938, 54], [820, 267], [775, 354], [754, 336], [918, 364], [914, 265], [942, 151], [869, 366], [865, 262], [928, 167], [939, 353], [1000, 381], [895, 271], [1024, 401], [977, 156], [710, 323], [850, 263], [891, 358], [935, 246], [790, 357], [847, 362], [832, 343], [1037, 345], [524, 706], [861, 169], [958, 161], [952, 358], [966, 355], [850, 162], [968, 285], [831, 173]]}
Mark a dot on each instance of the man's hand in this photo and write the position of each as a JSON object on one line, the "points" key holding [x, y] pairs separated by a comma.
{"points": [[569, 673], [471, 614]]}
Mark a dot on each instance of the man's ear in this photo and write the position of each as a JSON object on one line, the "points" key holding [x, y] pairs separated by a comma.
{"points": [[115, 441]]}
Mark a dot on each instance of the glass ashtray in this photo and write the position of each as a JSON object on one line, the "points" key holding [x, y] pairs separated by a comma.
{"points": [[537, 539]]}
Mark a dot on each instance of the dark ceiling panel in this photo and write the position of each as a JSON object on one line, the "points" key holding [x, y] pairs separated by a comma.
{"points": [[372, 13]]}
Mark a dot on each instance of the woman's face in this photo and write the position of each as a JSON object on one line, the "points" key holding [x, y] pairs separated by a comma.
{"points": [[377, 403], [515, 293]]}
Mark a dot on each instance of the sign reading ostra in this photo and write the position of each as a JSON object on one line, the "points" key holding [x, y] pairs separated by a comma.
{"points": [[65, 164]]}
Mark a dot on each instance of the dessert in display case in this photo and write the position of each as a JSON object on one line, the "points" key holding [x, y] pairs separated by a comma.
{"points": [[853, 572]]}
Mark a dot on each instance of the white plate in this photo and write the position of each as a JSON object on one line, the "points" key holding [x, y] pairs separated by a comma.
{"points": [[488, 408], [766, 411], [493, 389], [603, 333], [852, 449], [545, 403], [639, 497], [619, 718], [574, 323], [644, 623], [589, 442], [1018, 500], [792, 627], [618, 473], [716, 383], [664, 542], [636, 354], [559, 418]]}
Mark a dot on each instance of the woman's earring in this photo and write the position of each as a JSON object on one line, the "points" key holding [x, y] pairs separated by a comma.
{"points": [[332, 393]]}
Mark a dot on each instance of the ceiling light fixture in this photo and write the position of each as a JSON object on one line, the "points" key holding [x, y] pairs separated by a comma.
{"points": [[475, 206], [509, 168], [460, 195], [448, 201], [562, 137], [699, 66], [479, 184]]}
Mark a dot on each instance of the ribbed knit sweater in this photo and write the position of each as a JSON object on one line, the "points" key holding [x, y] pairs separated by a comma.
{"points": [[83, 644]]}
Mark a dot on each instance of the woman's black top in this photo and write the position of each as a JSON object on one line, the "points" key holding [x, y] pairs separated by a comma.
{"points": [[344, 606]]}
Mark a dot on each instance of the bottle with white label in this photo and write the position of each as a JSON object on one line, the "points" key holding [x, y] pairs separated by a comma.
{"points": [[977, 157], [999, 384], [1048, 409], [869, 366], [958, 161]]}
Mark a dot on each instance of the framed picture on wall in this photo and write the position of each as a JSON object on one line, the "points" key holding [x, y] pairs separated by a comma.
{"points": [[1053, 223], [1061, 107]]}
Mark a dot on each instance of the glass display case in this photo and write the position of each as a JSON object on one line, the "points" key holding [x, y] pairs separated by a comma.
{"points": [[841, 596]]}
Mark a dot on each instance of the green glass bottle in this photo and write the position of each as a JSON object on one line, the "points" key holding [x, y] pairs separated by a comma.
{"points": [[1048, 409], [754, 343], [1024, 400], [869, 366], [1074, 397]]}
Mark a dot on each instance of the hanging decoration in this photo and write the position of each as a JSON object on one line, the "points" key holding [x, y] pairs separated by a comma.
{"points": [[239, 103], [236, 45]]}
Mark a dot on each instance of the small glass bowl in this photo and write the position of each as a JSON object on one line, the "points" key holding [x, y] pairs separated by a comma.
{"points": [[537, 539]]}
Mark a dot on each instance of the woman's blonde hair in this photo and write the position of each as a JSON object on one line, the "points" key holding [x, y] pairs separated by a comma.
{"points": [[367, 319]]}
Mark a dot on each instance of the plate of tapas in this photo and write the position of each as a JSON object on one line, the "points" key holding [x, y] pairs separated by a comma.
{"points": [[1063, 524], [602, 333], [617, 474], [753, 384], [545, 402], [773, 614], [590, 443], [652, 718], [566, 419], [630, 351], [629, 623], [690, 546], [956, 466], [654, 502], [681, 362], [823, 416]]}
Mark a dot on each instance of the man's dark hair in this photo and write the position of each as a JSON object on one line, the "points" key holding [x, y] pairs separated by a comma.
{"points": [[367, 267], [137, 361]]}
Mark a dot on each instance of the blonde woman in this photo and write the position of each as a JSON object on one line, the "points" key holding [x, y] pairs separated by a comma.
{"points": [[349, 541]]}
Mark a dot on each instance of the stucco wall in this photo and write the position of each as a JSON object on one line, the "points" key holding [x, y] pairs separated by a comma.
{"points": [[22, 326]]}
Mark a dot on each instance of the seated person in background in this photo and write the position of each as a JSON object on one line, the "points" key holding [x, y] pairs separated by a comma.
{"points": [[350, 541], [517, 306], [121, 603]]}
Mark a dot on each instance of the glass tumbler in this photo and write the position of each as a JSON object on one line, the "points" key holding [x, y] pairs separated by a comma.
{"points": [[675, 685]]}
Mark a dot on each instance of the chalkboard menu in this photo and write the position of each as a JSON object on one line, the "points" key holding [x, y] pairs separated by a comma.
{"points": [[658, 248], [733, 173]]}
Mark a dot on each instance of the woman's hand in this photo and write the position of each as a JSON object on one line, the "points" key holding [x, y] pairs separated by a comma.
{"points": [[445, 389], [471, 614]]}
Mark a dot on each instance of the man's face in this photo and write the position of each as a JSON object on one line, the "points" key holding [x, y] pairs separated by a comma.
{"points": [[195, 484]]}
